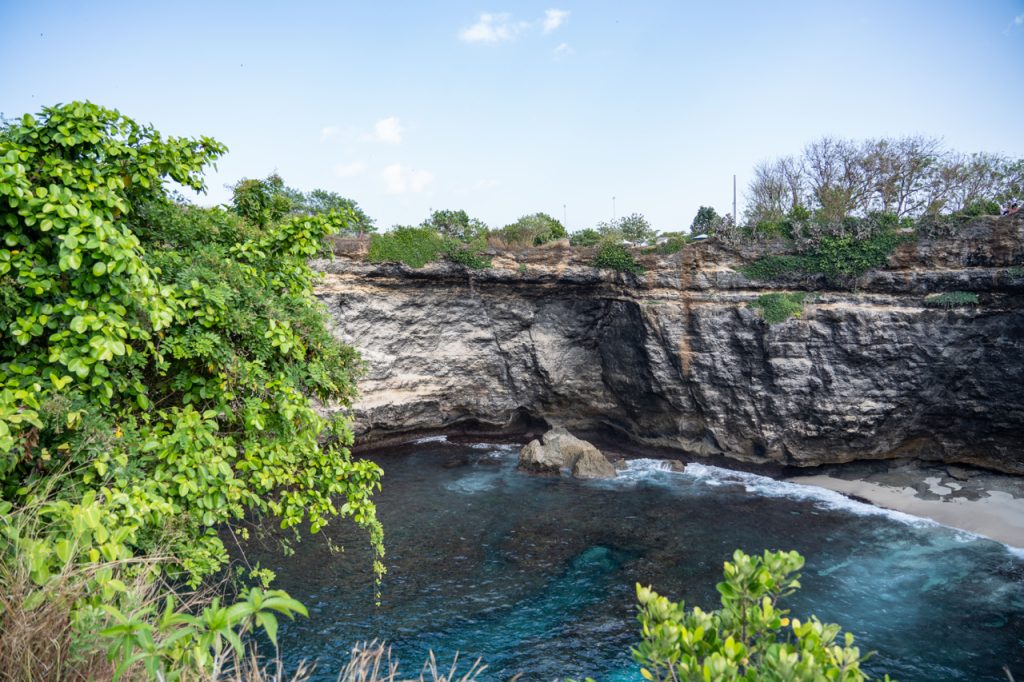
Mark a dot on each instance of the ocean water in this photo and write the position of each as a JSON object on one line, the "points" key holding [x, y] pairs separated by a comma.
{"points": [[536, 575]]}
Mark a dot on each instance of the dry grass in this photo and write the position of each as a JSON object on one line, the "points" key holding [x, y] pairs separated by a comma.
{"points": [[37, 640], [372, 662]]}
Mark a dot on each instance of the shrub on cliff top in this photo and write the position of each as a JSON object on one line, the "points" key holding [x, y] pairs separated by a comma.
{"points": [[414, 246], [615, 256]]}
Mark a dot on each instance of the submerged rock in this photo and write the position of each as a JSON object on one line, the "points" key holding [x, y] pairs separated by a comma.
{"points": [[676, 465]]}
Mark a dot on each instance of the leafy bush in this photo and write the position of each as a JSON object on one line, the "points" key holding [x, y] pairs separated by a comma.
{"points": [[951, 299], [673, 243], [750, 637], [531, 230], [837, 257], [159, 361], [585, 237], [455, 225], [615, 256], [778, 307], [981, 207], [466, 255], [414, 246]]}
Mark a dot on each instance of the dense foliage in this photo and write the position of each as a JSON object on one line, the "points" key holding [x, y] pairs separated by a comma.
{"points": [[750, 637], [159, 361], [837, 256], [778, 307], [531, 230], [615, 256], [705, 220], [588, 236], [269, 200], [455, 225]]}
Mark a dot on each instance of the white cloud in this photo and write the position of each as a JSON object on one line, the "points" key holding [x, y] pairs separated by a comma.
{"points": [[563, 50], [386, 130], [329, 132], [1018, 20], [350, 170], [553, 18], [399, 179], [493, 28]]}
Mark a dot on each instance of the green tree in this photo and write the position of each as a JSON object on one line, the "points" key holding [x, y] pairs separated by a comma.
{"points": [[321, 201], [704, 221], [585, 237], [533, 230], [263, 201], [455, 225], [636, 229], [750, 637], [159, 361]]}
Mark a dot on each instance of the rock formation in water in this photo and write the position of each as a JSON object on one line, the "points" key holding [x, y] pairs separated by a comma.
{"points": [[676, 358], [562, 450]]}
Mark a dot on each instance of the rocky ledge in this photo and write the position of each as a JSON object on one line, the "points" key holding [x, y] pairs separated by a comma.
{"points": [[675, 358]]}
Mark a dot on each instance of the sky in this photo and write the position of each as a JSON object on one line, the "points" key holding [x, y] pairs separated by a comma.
{"points": [[583, 110]]}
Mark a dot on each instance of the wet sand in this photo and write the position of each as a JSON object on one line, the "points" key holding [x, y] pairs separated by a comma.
{"points": [[987, 504]]}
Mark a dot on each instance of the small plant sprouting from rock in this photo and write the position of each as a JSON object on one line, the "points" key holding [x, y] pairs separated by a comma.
{"points": [[778, 307], [951, 299]]}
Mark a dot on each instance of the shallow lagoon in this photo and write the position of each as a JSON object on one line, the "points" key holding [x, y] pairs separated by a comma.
{"points": [[536, 575]]}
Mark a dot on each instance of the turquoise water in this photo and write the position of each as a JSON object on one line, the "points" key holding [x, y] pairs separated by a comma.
{"points": [[535, 575]]}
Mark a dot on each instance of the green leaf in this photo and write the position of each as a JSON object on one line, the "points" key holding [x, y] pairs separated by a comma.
{"points": [[99, 268]]}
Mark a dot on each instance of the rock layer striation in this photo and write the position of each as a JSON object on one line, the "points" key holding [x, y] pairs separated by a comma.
{"points": [[676, 358]]}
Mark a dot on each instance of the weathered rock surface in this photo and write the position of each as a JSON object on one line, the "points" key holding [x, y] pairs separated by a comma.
{"points": [[675, 358], [562, 450]]}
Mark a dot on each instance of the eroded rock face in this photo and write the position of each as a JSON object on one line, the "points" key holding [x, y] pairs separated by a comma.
{"points": [[675, 358]]}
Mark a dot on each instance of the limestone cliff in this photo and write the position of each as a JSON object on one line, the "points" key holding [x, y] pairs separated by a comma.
{"points": [[675, 357]]}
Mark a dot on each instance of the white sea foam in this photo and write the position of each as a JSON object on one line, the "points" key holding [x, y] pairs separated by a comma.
{"points": [[431, 439], [770, 487], [473, 483]]}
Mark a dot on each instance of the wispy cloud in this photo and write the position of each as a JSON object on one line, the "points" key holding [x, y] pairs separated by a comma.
{"points": [[553, 18], [493, 28], [563, 50], [350, 170], [1018, 20], [386, 130], [329, 132], [502, 28], [398, 179]]}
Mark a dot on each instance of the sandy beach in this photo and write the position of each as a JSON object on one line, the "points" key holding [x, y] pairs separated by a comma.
{"points": [[987, 504]]}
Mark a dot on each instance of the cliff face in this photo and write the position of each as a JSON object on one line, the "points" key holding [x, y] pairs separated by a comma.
{"points": [[675, 357]]}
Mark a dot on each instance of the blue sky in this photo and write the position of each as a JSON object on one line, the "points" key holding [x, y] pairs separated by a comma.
{"points": [[505, 109]]}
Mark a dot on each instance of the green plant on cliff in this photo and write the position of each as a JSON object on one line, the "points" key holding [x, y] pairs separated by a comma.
{"points": [[615, 256], [158, 364], [750, 637], [778, 307], [951, 299], [835, 256]]}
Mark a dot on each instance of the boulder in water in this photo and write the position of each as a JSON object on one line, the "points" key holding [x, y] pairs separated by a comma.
{"points": [[592, 464], [562, 450]]}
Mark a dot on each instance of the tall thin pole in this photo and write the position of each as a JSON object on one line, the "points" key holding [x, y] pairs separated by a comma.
{"points": [[613, 208], [735, 218], [565, 219]]}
